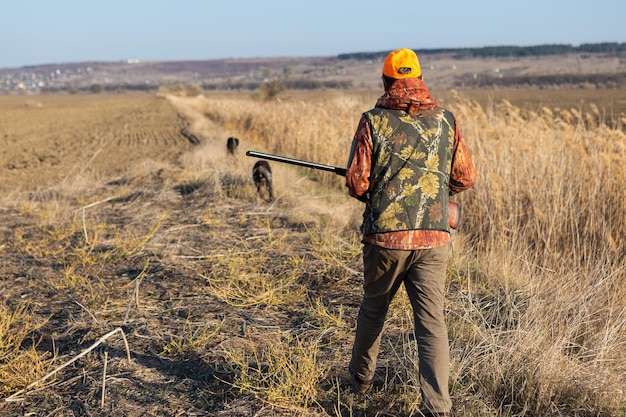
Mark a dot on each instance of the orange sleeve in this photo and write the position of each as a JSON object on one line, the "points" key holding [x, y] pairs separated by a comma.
{"points": [[360, 161], [463, 171]]}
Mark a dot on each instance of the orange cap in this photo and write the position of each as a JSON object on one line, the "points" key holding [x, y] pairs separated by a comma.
{"points": [[402, 63]]}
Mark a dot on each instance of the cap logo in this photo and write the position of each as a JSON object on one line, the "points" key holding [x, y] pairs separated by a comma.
{"points": [[404, 70]]}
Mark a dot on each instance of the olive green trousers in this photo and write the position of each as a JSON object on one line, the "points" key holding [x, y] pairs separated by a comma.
{"points": [[423, 273]]}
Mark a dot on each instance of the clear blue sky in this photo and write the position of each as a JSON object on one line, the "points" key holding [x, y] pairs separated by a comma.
{"points": [[58, 31]]}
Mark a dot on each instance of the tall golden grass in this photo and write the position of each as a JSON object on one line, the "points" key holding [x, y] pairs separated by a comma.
{"points": [[537, 307]]}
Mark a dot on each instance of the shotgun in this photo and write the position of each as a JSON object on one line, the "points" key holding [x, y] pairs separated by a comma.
{"points": [[284, 159], [454, 208]]}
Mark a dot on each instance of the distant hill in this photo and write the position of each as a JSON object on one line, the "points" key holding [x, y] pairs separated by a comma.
{"points": [[600, 65]]}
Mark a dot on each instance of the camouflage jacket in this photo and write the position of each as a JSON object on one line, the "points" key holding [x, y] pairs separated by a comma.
{"points": [[410, 172], [407, 100]]}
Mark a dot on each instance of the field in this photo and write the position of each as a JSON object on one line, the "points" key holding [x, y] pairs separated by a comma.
{"points": [[128, 232]]}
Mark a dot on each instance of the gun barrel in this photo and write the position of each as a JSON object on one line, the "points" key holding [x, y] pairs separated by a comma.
{"points": [[292, 161]]}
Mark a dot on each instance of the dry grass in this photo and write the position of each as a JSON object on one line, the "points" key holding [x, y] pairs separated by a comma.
{"points": [[546, 221], [236, 307]]}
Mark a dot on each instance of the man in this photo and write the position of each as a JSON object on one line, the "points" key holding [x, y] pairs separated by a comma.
{"points": [[407, 157]]}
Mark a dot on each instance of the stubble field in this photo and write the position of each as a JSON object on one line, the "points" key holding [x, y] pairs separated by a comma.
{"points": [[127, 230]]}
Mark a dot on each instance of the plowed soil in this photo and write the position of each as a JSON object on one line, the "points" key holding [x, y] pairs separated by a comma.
{"points": [[47, 139], [114, 211]]}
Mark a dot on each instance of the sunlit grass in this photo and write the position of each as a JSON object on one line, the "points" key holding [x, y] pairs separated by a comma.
{"points": [[19, 365], [284, 372], [535, 306], [544, 227]]}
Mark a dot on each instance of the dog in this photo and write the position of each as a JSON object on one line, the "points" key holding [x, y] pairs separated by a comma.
{"points": [[262, 177], [232, 144]]}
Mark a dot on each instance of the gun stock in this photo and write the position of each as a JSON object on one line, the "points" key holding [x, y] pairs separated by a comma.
{"points": [[454, 208]]}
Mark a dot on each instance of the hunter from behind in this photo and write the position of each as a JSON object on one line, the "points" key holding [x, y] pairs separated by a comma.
{"points": [[407, 157]]}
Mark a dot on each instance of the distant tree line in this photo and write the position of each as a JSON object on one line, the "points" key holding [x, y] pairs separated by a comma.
{"points": [[99, 88], [291, 84], [504, 51], [279, 85], [609, 81]]}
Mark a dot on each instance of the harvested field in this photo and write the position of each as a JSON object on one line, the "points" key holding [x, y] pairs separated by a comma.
{"points": [[49, 139], [126, 224]]}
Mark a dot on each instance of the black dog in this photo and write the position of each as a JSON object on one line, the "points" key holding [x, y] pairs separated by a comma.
{"points": [[232, 144], [262, 177]]}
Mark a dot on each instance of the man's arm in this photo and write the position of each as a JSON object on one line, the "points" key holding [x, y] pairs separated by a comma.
{"points": [[463, 171], [360, 162]]}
